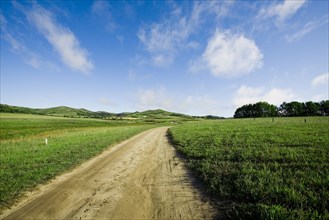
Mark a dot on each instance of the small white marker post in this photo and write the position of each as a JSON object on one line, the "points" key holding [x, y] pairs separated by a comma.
{"points": [[46, 141]]}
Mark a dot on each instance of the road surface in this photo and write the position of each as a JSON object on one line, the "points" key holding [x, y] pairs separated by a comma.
{"points": [[141, 178]]}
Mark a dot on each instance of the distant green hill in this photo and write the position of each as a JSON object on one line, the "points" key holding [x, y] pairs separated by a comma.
{"points": [[16, 109], [64, 111], [158, 114]]}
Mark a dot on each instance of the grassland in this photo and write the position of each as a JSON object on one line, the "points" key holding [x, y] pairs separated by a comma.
{"points": [[26, 160], [261, 169]]}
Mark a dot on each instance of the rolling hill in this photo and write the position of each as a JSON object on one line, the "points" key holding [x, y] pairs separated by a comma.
{"points": [[64, 111], [61, 111]]}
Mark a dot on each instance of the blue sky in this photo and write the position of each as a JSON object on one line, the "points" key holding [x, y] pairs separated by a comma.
{"points": [[199, 58]]}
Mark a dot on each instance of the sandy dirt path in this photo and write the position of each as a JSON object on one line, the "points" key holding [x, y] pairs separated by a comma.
{"points": [[141, 178]]}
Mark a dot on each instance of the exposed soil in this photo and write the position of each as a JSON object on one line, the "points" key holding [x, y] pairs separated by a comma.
{"points": [[141, 178]]}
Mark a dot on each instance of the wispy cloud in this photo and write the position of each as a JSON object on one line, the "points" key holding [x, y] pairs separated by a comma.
{"points": [[6, 35], [18, 47], [131, 75], [164, 40], [281, 11], [322, 79], [61, 38], [162, 98], [153, 99], [229, 55], [104, 101], [246, 95], [102, 10], [200, 105], [308, 27]]}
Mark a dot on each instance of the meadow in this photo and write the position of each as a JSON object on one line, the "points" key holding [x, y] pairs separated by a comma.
{"points": [[27, 161], [261, 168]]}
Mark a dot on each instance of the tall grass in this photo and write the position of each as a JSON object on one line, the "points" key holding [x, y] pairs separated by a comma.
{"points": [[262, 169]]}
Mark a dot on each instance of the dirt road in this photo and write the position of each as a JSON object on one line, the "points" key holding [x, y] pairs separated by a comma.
{"points": [[141, 178]]}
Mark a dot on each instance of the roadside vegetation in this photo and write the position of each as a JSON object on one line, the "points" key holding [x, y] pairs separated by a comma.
{"points": [[26, 160], [264, 168]]}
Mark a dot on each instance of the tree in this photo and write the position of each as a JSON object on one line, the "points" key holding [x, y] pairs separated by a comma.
{"points": [[311, 109], [259, 109], [294, 109], [324, 107], [263, 109], [246, 111], [282, 110]]}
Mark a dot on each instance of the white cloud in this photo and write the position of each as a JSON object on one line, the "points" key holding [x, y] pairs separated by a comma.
{"points": [[3, 20], [131, 75], [62, 39], [319, 97], [100, 7], [6, 35], [282, 11], [322, 79], [120, 38], [216, 9], [229, 55], [104, 101], [277, 96], [161, 98], [162, 60], [193, 45], [308, 27], [246, 95], [18, 47], [200, 105], [102, 10], [153, 99], [164, 40]]}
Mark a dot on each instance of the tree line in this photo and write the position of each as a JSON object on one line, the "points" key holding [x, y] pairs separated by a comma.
{"points": [[286, 109]]}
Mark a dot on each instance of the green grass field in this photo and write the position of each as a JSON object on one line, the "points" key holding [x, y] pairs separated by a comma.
{"points": [[26, 160], [260, 169]]}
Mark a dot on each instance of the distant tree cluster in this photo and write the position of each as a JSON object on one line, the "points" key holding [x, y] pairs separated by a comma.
{"points": [[264, 109], [259, 109]]}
